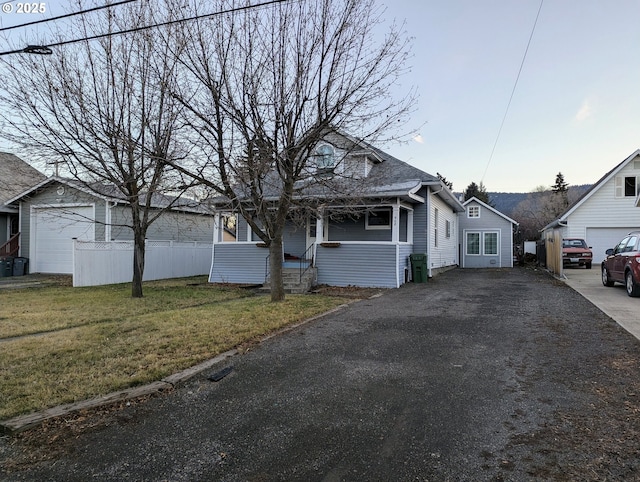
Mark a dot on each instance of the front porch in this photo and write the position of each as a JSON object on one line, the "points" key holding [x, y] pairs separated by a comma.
{"points": [[366, 249]]}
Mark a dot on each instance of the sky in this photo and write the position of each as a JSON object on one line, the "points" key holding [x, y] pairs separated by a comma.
{"points": [[576, 104]]}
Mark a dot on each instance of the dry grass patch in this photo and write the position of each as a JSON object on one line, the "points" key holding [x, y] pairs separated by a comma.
{"points": [[113, 342]]}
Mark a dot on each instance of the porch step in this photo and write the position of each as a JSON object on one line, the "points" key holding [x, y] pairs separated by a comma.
{"points": [[292, 282]]}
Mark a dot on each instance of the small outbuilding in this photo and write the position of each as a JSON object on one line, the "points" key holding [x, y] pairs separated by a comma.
{"points": [[486, 236]]}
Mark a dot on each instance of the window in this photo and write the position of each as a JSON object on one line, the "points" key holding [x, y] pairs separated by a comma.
{"points": [[630, 186], [435, 227], [378, 219], [473, 243], [626, 186], [490, 244], [325, 156], [473, 212], [447, 229]]}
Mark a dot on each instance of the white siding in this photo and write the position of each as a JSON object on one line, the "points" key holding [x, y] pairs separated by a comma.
{"points": [[604, 210], [446, 253]]}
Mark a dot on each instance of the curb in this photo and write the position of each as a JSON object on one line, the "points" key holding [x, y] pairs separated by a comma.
{"points": [[24, 422]]}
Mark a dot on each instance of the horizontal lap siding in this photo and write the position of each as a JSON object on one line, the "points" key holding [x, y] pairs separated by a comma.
{"points": [[238, 263], [404, 262], [365, 265]]}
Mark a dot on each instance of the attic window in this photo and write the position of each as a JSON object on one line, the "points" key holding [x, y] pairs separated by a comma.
{"points": [[473, 212], [325, 156], [630, 186], [378, 219]]}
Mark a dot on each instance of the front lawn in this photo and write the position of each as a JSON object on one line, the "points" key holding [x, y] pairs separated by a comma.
{"points": [[62, 344]]}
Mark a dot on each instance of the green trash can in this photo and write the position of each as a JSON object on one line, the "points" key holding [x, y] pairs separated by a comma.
{"points": [[20, 266], [419, 267], [6, 267]]}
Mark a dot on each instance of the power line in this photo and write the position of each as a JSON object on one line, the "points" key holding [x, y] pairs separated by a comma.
{"points": [[504, 118], [72, 14], [46, 49]]}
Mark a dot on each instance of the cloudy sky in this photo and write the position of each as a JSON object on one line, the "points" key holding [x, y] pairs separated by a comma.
{"points": [[576, 106]]}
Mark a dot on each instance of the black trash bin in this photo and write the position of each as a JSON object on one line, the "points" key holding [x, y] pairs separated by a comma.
{"points": [[6, 267], [20, 266], [419, 267]]}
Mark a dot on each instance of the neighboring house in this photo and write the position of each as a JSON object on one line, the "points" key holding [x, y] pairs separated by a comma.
{"points": [[605, 213], [56, 210], [403, 210], [15, 177], [486, 236]]}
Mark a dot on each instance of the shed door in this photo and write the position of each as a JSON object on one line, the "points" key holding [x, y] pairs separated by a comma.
{"points": [[53, 233], [601, 239]]}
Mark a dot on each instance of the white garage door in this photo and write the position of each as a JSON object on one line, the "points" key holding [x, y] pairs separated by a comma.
{"points": [[53, 233], [601, 239]]}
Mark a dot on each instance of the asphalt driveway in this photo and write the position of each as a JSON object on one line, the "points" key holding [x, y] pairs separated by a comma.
{"points": [[476, 375]]}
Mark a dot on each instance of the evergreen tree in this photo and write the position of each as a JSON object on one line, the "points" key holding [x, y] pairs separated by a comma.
{"points": [[449, 184], [477, 191]]}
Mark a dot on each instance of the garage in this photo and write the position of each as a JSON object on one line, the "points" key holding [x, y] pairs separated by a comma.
{"points": [[53, 230], [601, 239]]}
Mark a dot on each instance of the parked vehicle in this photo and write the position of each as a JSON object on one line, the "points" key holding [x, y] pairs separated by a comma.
{"points": [[622, 264], [576, 251]]}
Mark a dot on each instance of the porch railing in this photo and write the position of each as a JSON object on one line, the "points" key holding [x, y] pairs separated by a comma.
{"points": [[306, 261], [11, 247]]}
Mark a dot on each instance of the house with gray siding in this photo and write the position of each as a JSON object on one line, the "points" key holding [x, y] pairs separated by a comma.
{"points": [[486, 236], [607, 212], [402, 211], [56, 210]]}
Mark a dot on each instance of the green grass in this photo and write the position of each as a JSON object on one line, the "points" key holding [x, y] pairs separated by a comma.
{"points": [[63, 344]]}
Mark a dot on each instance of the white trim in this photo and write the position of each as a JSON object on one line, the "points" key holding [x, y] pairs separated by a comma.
{"points": [[390, 209], [492, 209]]}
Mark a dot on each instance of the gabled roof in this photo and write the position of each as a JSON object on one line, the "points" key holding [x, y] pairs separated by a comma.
{"points": [[15, 177], [112, 194], [388, 177], [490, 208], [592, 190]]}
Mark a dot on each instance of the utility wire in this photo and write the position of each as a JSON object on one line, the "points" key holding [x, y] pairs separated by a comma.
{"points": [[46, 49], [504, 118], [72, 14]]}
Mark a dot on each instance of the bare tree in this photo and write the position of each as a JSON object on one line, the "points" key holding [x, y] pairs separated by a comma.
{"points": [[101, 110], [265, 85]]}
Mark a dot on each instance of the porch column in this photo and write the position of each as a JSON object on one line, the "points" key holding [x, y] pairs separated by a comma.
{"points": [[320, 227], [216, 228], [395, 224]]}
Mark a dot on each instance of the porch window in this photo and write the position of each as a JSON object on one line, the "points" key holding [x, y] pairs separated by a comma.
{"points": [[490, 244], [473, 212], [378, 219], [473, 243]]}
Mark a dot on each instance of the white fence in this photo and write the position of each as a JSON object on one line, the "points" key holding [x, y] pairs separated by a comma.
{"points": [[104, 263]]}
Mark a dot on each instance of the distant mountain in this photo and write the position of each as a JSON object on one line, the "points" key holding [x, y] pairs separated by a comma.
{"points": [[505, 202]]}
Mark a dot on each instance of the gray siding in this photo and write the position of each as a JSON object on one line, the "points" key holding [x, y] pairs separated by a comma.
{"points": [[366, 265], [170, 226], [404, 262], [49, 197], [488, 221], [354, 230], [420, 232], [294, 239], [238, 263]]}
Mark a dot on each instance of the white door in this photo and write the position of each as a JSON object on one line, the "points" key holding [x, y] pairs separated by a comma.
{"points": [[601, 239], [53, 230]]}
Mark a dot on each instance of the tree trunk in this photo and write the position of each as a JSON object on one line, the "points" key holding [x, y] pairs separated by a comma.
{"points": [[138, 264], [275, 266]]}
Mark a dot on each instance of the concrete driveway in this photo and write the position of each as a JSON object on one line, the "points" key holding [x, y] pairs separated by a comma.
{"points": [[612, 301]]}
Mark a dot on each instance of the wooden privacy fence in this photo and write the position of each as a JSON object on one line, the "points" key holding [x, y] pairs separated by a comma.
{"points": [[103, 263]]}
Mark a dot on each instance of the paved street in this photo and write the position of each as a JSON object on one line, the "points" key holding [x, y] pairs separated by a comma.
{"points": [[476, 375]]}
